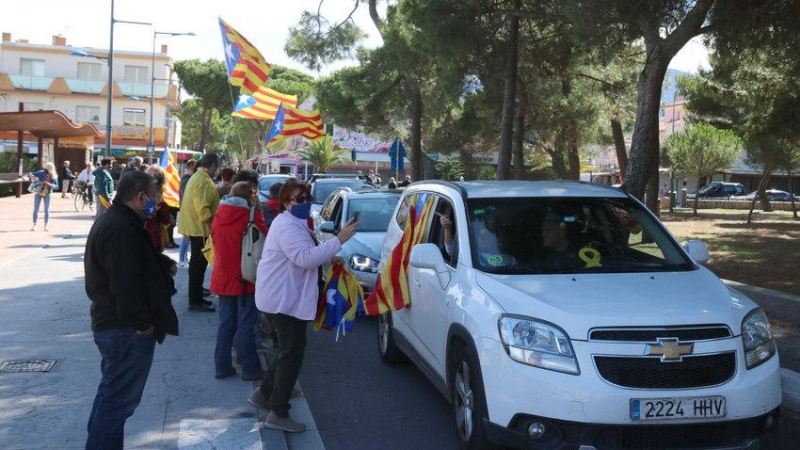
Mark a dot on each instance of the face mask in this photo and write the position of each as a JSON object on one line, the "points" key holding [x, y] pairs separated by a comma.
{"points": [[301, 211], [149, 207]]}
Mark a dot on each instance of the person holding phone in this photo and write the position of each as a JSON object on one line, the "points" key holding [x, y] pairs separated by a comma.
{"points": [[287, 291]]}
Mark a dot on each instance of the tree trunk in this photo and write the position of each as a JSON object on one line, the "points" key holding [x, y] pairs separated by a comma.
{"points": [[762, 187], [519, 134], [619, 144], [509, 97], [573, 155], [417, 157], [557, 156], [206, 132]]}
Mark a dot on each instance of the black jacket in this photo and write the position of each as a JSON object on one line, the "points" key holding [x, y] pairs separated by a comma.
{"points": [[127, 280]]}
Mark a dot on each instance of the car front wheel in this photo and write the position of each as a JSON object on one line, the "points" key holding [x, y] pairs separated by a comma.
{"points": [[387, 348], [468, 399]]}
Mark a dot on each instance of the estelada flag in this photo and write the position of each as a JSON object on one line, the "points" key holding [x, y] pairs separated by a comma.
{"points": [[391, 290], [340, 300], [262, 104], [172, 181], [291, 122], [246, 66]]}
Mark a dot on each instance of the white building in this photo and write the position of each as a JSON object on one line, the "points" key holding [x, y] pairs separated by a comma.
{"points": [[51, 77]]}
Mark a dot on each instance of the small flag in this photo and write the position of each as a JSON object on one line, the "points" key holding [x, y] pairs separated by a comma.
{"points": [[246, 66], [340, 300], [277, 125], [296, 122], [172, 181]]}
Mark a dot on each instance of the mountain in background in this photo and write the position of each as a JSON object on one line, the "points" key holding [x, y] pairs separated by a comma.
{"points": [[669, 86]]}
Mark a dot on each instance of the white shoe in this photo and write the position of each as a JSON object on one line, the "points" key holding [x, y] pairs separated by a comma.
{"points": [[183, 264], [33, 227], [45, 228]]}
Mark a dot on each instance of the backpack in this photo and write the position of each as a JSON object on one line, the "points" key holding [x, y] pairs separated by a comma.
{"points": [[252, 246]]}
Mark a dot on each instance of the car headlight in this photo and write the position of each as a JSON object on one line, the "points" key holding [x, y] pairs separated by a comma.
{"points": [[538, 343], [757, 338], [363, 263]]}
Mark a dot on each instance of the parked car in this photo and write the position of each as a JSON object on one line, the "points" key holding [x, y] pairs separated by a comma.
{"points": [[374, 209], [622, 340], [321, 188], [773, 195], [721, 189], [265, 181]]}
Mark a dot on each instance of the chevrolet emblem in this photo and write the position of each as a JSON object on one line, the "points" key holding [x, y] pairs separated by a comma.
{"points": [[669, 349]]}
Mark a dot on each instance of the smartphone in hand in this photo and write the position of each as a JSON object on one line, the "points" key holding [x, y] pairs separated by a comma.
{"points": [[355, 215]]}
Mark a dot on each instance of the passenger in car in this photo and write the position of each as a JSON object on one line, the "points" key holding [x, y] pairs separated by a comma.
{"points": [[561, 253]]}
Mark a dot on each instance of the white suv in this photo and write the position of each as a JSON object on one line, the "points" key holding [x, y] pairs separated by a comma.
{"points": [[565, 316]]}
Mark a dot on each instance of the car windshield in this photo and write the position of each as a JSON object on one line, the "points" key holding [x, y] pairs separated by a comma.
{"points": [[265, 182], [374, 213], [323, 188], [569, 235]]}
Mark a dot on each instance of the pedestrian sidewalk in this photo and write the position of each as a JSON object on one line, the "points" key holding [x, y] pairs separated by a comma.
{"points": [[50, 367]]}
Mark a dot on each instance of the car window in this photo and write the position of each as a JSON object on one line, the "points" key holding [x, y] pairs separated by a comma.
{"points": [[327, 208], [374, 213], [322, 188], [569, 235], [436, 233]]}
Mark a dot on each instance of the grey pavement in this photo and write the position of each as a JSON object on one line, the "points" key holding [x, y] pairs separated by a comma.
{"points": [[46, 319]]}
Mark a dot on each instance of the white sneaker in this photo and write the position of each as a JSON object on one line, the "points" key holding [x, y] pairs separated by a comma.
{"points": [[33, 227], [183, 264], [45, 228]]}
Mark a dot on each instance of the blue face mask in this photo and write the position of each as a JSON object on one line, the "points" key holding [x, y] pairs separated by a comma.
{"points": [[301, 211], [149, 207]]}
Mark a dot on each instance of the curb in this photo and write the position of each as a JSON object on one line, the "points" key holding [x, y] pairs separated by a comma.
{"points": [[790, 381]]}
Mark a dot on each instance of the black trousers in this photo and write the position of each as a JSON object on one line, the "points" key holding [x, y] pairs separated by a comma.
{"points": [[197, 270], [285, 363]]}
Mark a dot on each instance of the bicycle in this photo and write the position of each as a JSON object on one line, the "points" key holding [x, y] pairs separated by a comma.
{"points": [[81, 197]]}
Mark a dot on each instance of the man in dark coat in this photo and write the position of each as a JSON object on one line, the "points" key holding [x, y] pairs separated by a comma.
{"points": [[129, 284]]}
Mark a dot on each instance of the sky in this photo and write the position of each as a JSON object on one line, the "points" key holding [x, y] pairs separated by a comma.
{"points": [[265, 23]]}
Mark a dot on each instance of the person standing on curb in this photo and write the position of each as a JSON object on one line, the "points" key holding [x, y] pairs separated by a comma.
{"points": [[66, 179], [198, 206], [287, 290], [103, 186], [49, 179], [87, 177], [128, 283]]}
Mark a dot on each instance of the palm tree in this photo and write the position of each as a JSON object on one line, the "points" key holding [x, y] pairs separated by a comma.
{"points": [[322, 154]]}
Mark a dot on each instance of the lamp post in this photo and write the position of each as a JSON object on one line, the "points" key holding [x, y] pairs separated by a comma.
{"points": [[110, 61], [150, 146]]}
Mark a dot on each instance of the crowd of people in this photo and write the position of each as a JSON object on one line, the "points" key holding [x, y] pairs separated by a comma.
{"points": [[129, 317]]}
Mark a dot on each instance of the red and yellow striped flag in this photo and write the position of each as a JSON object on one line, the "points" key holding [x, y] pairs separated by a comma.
{"points": [[247, 68], [263, 104], [172, 181], [297, 122], [391, 290]]}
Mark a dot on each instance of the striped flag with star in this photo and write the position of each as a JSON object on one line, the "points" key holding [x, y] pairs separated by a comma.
{"points": [[290, 122], [172, 181], [247, 68], [262, 104], [391, 289]]}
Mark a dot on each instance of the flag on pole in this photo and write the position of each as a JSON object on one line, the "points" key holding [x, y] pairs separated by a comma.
{"points": [[291, 122], [397, 153], [246, 66], [391, 289], [340, 301], [172, 181], [262, 104]]}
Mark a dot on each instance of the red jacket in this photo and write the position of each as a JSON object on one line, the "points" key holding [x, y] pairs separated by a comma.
{"points": [[227, 228]]}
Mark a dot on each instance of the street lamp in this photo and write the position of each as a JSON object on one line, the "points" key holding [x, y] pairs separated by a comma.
{"points": [[150, 146]]}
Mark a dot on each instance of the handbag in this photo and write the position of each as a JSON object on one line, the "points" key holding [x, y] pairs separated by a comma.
{"points": [[36, 184], [252, 247]]}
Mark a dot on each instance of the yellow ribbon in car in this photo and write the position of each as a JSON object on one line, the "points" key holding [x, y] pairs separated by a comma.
{"points": [[590, 256]]}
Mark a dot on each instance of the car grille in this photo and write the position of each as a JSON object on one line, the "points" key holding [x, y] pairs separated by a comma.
{"points": [[648, 372], [674, 437], [652, 373]]}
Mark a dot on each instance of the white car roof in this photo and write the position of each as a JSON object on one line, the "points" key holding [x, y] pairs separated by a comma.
{"points": [[513, 188]]}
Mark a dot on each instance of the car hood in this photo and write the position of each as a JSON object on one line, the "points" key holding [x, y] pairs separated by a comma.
{"points": [[580, 302], [365, 243]]}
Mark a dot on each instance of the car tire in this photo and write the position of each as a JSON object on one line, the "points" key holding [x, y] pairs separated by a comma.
{"points": [[468, 400], [387, 348]]}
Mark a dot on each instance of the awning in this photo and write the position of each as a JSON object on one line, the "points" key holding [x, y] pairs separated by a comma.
{"points": [[47, 124]]}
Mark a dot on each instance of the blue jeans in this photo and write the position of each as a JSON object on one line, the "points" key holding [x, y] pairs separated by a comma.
{"points": [[237, 317], [127, 358], [184, 246], [37, 200]]}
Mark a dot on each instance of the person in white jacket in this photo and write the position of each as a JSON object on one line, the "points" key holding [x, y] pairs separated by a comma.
{"points": [[287, 290], [87, 178]]}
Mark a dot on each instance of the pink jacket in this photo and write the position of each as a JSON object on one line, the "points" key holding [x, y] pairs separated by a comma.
{"points": [[286, 282]]}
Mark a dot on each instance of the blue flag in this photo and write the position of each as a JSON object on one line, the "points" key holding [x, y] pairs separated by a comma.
{"points": [[397, 153], [277, 125], [245, 101]]}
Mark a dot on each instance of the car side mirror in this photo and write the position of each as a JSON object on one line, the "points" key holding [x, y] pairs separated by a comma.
{"points": [[327, 227], [428, 256], [697, 250]]}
